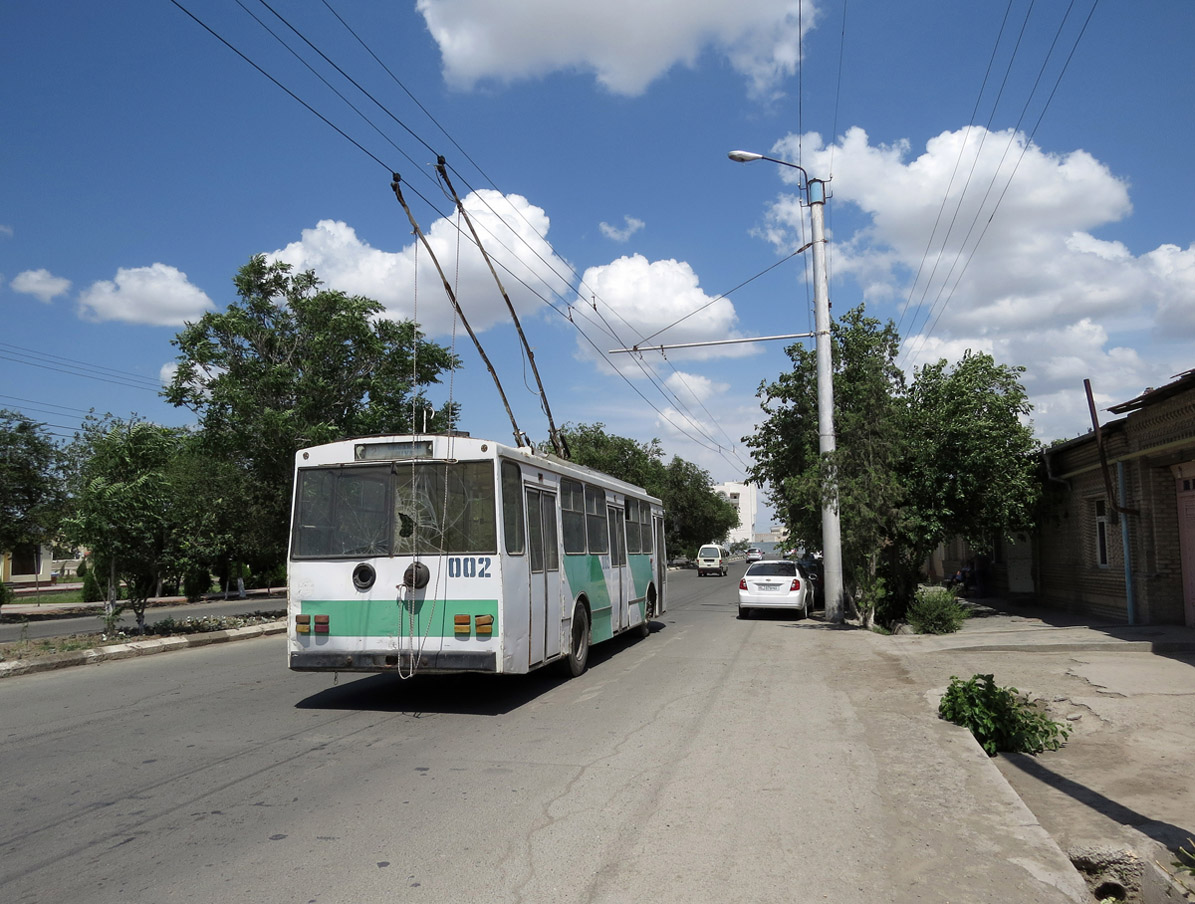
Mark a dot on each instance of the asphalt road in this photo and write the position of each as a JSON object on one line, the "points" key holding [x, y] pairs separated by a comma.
{"points": [[36, 628], [716, 760]]}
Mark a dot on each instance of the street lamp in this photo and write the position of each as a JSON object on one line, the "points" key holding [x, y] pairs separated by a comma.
{"points": [[815, 197]]}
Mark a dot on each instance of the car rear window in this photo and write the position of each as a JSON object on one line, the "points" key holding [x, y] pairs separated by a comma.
{"points": [[708, 552], [774, 569]]}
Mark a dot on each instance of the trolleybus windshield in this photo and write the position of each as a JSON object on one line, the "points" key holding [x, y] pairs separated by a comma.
{"points": [[410, 508]]}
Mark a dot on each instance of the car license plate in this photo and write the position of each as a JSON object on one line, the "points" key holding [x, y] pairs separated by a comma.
{"points": [[766, 587]]}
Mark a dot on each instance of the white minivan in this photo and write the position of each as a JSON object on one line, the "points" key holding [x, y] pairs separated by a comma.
{"points": [[712, 559]]}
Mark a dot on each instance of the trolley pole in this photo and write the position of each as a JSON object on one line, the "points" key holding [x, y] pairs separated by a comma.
{"points": [[815, 196]]}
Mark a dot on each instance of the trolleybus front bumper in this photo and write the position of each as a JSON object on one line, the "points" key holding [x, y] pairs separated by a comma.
{"points": [[431, 661]]}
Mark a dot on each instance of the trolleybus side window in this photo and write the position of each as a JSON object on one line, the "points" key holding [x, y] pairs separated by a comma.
{"points": [[632, 514], [595, 520], [572, 515], [512, 507], [645, 533]]}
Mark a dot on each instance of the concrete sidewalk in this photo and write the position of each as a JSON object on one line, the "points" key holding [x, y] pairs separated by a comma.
{"points": [[1121, 793]]}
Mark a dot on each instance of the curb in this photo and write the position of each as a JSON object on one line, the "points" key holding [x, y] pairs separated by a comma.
{"points": [[1081, 646], [136, 648], [1058, 871]]}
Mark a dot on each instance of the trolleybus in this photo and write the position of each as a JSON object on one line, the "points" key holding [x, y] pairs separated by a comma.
{"points": [[454, 554]]}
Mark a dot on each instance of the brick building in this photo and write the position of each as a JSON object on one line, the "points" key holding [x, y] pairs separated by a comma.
{"points": [[1118, 541]]}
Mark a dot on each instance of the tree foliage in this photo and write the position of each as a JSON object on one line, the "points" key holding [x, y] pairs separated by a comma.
{"points": [[31, 487], [124, 503], [289, 365], [945, 455], [694, 513]]}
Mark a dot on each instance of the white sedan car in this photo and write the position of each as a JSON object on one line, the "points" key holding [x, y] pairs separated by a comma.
{"points": [[774, 585]]}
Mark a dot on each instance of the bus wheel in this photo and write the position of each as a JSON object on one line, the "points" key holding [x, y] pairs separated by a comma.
{"points": [[578, 653], [644, 627]]}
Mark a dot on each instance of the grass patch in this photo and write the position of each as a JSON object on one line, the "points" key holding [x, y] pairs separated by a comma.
{"points": [[48, 596]]}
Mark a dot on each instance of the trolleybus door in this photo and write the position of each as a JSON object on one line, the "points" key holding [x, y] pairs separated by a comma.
{"points": [[661, 563], [543, 548], [619, 579]]}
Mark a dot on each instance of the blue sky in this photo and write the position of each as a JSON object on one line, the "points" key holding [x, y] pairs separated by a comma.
{"points": [[144, 162]]}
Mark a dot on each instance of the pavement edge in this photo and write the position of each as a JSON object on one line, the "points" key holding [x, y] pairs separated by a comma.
{"points": [[135, 648]]}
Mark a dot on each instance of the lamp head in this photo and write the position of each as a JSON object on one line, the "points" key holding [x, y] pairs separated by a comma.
{"points": [[744, 156]]}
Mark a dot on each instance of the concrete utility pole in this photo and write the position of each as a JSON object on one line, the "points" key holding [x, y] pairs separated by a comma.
{"points": [[815, 197]]}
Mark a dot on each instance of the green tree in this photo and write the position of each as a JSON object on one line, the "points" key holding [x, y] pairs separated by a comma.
{"points": [[31, 485], [289, 365], [916, 464], [124, 504], [870, 424], [694, 513]]}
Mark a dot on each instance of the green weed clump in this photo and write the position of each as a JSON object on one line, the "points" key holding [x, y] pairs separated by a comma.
{"points": [[1000, 718], [1185, 863], [936, 610]]}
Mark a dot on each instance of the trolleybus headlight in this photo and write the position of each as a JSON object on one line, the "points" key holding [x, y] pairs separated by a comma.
{"points": [[417, 575], [364, 576]]}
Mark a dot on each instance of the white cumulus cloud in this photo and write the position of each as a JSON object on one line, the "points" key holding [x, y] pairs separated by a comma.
{"points": [[158, 295], [636, 299], [621, 234], [512, 231], [1026, 279], [625, 44], [41, 284]]}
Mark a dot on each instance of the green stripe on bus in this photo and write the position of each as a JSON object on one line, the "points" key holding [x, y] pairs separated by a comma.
{"points": [[386, 618], [585, 576], [640, 574]]}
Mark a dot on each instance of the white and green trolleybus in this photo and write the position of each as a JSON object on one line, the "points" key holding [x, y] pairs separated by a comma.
{"points": [[444, 554]]}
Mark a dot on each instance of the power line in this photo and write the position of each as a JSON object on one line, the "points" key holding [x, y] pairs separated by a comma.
{"points": [[910, 353], [551, 267]]}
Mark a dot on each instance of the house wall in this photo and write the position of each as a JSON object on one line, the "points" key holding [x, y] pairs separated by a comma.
{"points": [[1149, 448], [20, 569]]}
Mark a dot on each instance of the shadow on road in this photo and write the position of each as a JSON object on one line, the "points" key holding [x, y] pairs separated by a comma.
{"points": [[1166, 833], [462, 694]]}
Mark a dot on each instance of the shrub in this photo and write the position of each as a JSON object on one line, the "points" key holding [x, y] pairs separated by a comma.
{"points": [[92, 591], [6, 595], [196, 584], [936, 610], [1000, 718]]}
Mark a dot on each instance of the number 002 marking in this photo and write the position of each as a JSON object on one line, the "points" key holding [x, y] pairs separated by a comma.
{"points": [[469, 566]]}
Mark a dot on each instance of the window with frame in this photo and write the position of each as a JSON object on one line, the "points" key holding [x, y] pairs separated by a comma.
{"points": [[512, 507], [1101, 533], [632, 517], [595, 520], [572, 515]]}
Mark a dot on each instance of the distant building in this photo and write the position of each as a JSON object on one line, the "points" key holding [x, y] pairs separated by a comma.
{"points": [[744, 498]]}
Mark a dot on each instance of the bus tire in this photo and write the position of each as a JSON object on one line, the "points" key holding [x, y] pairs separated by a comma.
{"points": [[649, 609], [577, 661]]}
